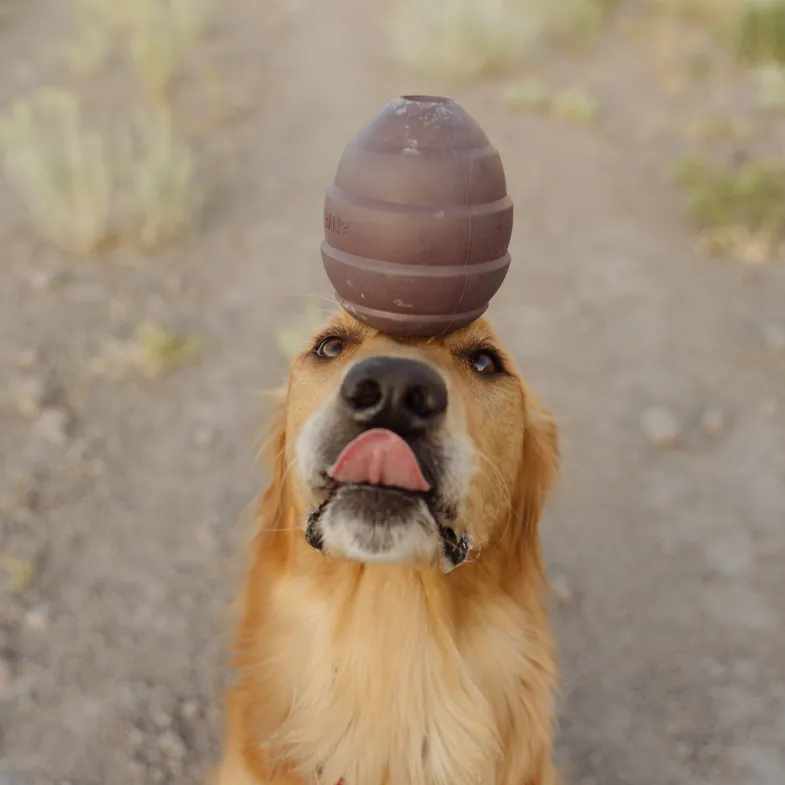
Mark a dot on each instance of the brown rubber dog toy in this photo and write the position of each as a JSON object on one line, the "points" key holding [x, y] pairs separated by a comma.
{"points": [[418, 221]]}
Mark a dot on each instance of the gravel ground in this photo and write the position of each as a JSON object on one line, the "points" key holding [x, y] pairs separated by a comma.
{"points": [[122, 498]]}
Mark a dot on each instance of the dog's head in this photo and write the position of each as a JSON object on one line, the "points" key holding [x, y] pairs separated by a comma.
{"points": [[415, 451]]}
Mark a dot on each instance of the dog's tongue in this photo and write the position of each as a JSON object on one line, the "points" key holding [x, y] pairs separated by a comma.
{"points": [[379, 457]]}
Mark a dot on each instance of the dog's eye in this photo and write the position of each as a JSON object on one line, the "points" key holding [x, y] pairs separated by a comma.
{"points": [[329, 348], [486, 363]]}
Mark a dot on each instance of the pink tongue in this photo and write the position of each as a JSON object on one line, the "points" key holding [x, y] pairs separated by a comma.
{"points": [[379, 457]]}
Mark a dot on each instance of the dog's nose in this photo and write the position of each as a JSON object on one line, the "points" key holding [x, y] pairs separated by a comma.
{"points": [[406, 396]]}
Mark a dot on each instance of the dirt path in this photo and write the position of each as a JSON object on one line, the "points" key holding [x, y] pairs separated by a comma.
{"points": [[668, 562]]}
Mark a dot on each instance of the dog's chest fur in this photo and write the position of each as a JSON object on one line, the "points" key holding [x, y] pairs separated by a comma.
{"points": [[377, 682]]}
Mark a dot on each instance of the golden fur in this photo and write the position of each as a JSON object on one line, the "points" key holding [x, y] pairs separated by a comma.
{"points": [[389, 674]]}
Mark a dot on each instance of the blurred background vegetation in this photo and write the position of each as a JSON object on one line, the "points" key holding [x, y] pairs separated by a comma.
{"points": [[163, 170], [91, 185]]}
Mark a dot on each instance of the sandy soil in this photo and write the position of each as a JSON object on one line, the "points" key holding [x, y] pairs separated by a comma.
{"points": [[124, 495]]}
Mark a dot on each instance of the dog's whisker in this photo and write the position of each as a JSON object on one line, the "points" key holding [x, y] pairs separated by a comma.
{"points": [[503, 532], [498, 476], [311, 296], [506, 496], [504, 493]]}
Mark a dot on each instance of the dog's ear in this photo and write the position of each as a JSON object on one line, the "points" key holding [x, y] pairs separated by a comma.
{"points": [[272, 502], [538, 469]]}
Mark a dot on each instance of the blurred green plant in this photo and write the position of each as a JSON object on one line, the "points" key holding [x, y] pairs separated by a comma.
{"points": [[739, 211], [164, 34], [153, 352], [527, 96], [771, 85], [716, 128], [82, 195], [466, 39], [574, 105], [164, 197], [61, 170], [760, 31], [754, 29], [162, 350], [20, 573], [715, 12], [159, 35]]}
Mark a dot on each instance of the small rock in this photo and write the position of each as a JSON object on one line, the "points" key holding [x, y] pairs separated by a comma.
{"points": [[714, 668], [54, 425], [770, 676], [161, 719], [95, 467], [190, 710], [204, 436], [136, 737], [660, 426], [745, 670], [713, 421], [683, 751], [47, 280], [21, 497], [137, 771], [172, 745], [205, 535], [28, 395], [84, 449], [156, 775], [6, 677], [37, 618], [175, 283], [118, 310], [27, 358], [89, 293], [561, 589], [774, 337], [673, 728]]}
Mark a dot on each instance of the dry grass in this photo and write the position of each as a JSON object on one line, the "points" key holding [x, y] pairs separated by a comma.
{"points": [[713, 12], [154, 352], [162, 350], [464, 39], [19, 573], [707, 129], [137, 186], [771, 85], [159, 36], [740, 212], [753, 29], [61, 169], [86, 195], [527, 96], [760, 32], [573, 105], [164, 197]]}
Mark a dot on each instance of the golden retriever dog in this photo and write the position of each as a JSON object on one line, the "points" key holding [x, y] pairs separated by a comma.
{"points": [[393, 629]]}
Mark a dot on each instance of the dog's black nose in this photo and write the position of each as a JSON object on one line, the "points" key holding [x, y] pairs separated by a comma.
{"points": [[406, 396]]}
